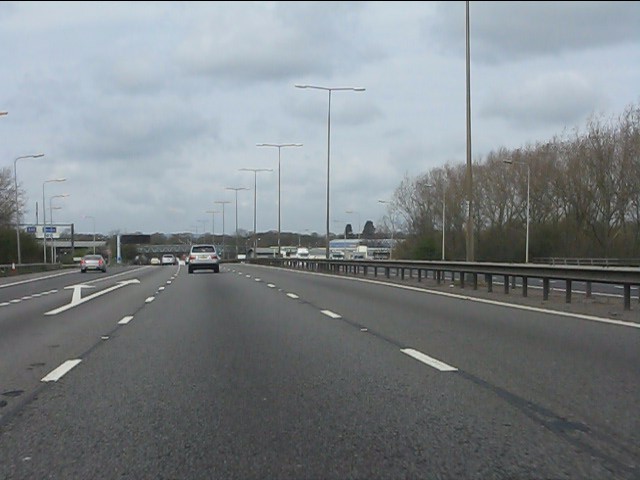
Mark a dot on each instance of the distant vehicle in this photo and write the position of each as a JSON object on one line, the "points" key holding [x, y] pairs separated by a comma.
{"points": [[204, 257], [155, 261], [93, 262], [337, 255], [168, 259], [302, 252]]}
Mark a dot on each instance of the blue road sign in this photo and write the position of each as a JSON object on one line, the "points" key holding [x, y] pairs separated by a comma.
{"points": [[50, 229], [31, 229]]}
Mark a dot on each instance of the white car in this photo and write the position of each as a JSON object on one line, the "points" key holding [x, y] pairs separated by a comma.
{"points": [[155, 261], [204, 257], [168, 259]]}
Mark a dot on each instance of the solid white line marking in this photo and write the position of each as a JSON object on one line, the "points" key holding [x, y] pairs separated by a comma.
{"points": [[34, 280], [292, 295], [4, 304], [17, 300], [432, 362], [591, 318], [331, 314], [125, 320], [149, 299], [59, 372]]}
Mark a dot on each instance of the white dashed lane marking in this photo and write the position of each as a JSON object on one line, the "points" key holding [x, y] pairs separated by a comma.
{"points": [[426, 359], [59, 372]]}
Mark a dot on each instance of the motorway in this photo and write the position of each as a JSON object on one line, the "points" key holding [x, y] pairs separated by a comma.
{"points": [[263, 373]]}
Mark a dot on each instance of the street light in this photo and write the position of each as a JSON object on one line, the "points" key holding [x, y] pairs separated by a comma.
{"points": [[44, 216], [279, 146], [15, 181], [223, 203], [511, 162], [329, 89], [387, 202], [94, 231], [255, 190], [352, 212], [213, 224], [236, 189], [51, 222]]}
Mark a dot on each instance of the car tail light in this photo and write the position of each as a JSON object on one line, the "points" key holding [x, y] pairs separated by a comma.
{"points": [[100, 262], [192, 257], [214, 256]]}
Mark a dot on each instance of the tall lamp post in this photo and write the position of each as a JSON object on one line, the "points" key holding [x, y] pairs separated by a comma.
{"points": [[51, 208], [236, 189], [15, 181], [469, 171], [224, 249], [213, 225], [387, 202], [511, 162], [94, 231], [279, 146], [329, 89], [44, 217], [255, 190]]}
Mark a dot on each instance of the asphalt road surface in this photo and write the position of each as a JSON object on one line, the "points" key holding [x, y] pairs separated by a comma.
{"points": [[262, 373]]}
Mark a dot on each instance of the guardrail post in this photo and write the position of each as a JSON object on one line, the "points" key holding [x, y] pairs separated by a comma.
{"points": [[567, 296], [545, 289], [419, 275], [489, 279], [525, 282], [462, 274], [386, 271], [506, 284], [375, 271], [588, 289], [627, 296], [438, 274], [475, 281], [365, 270]]}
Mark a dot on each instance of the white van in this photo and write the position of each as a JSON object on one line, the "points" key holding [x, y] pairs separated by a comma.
{"points": [[302, 252]]}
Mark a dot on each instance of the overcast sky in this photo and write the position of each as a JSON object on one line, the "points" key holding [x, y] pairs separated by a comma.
{"points": [[149, 109]]}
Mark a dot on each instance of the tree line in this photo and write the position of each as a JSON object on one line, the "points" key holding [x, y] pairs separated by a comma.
{"points": [[584, 199]]}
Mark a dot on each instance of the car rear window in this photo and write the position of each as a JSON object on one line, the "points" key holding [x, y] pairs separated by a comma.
{"points": [[203, 248]]}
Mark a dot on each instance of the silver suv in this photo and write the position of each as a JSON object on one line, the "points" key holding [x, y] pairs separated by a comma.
{"points": [[204, 257]]}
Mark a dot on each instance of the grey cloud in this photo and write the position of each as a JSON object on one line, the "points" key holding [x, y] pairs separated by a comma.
{"points": [[510, 31], [561, 99], [274, 42]]}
